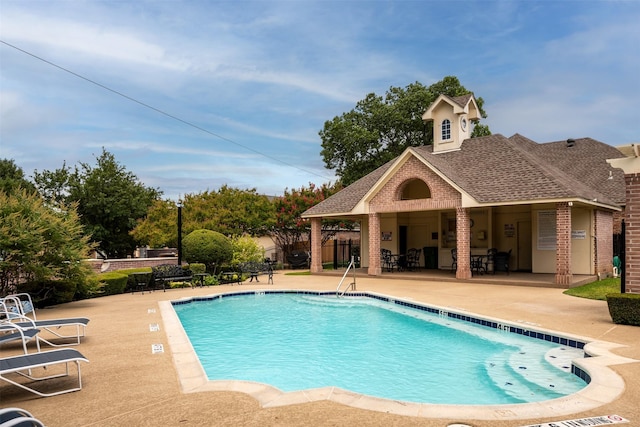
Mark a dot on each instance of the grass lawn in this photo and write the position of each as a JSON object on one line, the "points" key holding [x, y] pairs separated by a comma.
{"points": [[596, 290]]}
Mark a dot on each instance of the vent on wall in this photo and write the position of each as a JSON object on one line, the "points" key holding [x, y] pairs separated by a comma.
{"points": [[571, 142]]}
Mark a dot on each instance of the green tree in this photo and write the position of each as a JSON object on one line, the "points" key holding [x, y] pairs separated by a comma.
{"points": [[41, 248], [110, 200], [230, 211], [246, 249], [291, 230], [207, 247], [12, 177], [380, 128], [159, 228]]}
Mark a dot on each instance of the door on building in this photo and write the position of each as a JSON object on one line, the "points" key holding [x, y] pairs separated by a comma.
{"points": [[523, 254], [402, 240]]}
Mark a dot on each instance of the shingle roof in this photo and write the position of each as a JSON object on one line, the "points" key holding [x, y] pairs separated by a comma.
{"points": [[499, 170], [346, 199], [461, 100]]}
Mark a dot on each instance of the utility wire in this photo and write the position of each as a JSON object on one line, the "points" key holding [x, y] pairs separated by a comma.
{"points": [[157, 110]]}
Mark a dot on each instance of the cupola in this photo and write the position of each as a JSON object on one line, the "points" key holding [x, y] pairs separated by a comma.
{"points": [[451, 117]]}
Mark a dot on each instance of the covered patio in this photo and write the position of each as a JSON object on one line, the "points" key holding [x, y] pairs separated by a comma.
{"points": [[544, 280]]}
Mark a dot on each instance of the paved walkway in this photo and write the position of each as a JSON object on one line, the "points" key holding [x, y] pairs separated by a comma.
{"points": [[126, 385]]}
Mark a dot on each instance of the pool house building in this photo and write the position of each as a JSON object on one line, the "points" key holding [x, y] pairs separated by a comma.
{"points": [[549, 207]]}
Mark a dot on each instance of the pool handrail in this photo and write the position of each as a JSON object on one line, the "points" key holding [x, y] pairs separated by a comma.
{"points": [[352, 285]]}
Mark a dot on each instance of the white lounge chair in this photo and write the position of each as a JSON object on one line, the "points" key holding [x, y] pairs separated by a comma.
{"points": [[24, 365], [14, 309], [14, 333], [17, 417]]}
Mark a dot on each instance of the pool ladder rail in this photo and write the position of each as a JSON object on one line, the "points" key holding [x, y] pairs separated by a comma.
{"points": [[352, 285]]}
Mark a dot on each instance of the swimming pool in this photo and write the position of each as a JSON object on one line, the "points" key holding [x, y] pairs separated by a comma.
{"points": [[377, 346]]}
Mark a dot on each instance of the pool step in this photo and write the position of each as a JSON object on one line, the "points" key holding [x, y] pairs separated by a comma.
{"points": [[522, 377], [503, 376], [562, 357], [543, 375]]}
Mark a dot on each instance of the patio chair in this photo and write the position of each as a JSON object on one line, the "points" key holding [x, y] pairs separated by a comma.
{"points": [[23, 365], [17, 417], [413, 259], [18, 304], [454, 259], [388, 261], [9, 318], [11, 333], [51, 326]]}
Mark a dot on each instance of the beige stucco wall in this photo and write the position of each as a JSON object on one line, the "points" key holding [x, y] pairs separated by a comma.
{"points": [[443, 111], [544, 261]]}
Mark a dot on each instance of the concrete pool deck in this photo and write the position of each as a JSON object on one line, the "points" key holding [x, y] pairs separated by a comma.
{"points": [[126, 384]]}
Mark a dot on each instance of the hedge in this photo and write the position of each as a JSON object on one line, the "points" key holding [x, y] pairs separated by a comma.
{"points": [[624, 308], [114, 283]]}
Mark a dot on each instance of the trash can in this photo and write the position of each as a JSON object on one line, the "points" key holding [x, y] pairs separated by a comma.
{"points": [[430, 257], [501, 261]]}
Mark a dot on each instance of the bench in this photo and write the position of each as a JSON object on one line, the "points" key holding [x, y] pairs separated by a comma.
{"points": [[167, 273], [230, 276], [254, 269]]}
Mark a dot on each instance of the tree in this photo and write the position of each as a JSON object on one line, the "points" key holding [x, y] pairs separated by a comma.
{"points": [[380, 128], [41, 248], [12, 178], [290, 230], [246, 249], [110, 200], [230, 211], [207, 247], [159, 228]]}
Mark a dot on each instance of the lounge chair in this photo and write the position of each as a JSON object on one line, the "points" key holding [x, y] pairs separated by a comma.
{"points": [[12, 311], [18, 304], [13, 332], [24, 364], [16, 417], [51, 326]]}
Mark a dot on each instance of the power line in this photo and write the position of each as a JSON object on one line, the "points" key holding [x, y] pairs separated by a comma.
{"points": [[157, 110]]}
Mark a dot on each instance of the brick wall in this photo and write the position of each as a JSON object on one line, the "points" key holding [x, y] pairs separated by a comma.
{"points": [[375, 269], [617, 221], [463, 240], [563, 248], [103, 266], [632, 239], [316, 245], [603, 230], [443, 196]]}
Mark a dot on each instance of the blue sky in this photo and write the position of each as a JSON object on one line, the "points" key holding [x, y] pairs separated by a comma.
{"points": [[257, 80]]}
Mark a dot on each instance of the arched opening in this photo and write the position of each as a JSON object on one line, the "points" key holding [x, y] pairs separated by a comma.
{"points": [[415, 189]]}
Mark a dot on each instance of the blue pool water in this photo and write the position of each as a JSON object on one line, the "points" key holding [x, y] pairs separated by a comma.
{"points": [[362, 344]]}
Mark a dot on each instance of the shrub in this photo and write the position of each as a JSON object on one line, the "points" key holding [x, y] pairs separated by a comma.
{"points": [[624, 308], [113, 283], [208, 247], [197, 268], [50, 292]]}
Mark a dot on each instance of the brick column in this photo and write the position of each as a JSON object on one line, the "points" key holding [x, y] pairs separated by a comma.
{"points": [[603, 232], [463, 243], [564, 277], [316, 245], [375, 268], [631, 265]]}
